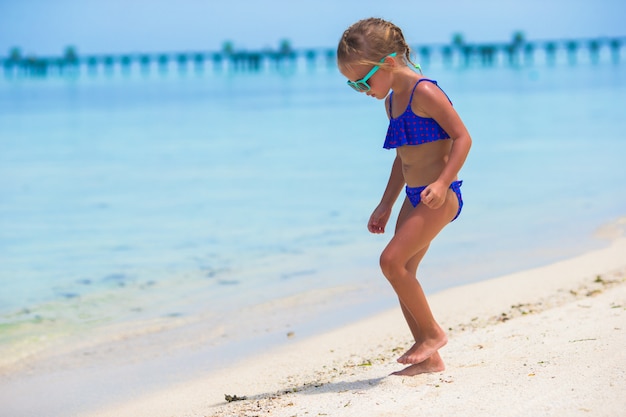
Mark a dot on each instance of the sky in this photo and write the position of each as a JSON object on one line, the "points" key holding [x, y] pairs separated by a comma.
{"points": [[47, 27]]}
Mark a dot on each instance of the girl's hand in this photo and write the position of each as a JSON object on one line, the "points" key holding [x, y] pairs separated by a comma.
{"points": [[379, 219], [434, 195]]}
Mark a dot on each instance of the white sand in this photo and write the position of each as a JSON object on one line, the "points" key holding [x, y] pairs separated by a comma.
{"points": [[545, 342]]}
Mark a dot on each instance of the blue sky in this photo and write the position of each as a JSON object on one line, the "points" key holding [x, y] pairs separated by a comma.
{"points": [[46, 27]]}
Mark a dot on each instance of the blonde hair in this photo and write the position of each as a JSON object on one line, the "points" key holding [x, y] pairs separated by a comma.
{"points": [[368, 41]]}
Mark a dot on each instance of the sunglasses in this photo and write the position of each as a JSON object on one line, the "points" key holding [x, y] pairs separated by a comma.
{"points": [[362, 85]]}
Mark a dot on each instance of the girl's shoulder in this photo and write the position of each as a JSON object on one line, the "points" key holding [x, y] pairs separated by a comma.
{"points": [[425, 85], [427, 91]]}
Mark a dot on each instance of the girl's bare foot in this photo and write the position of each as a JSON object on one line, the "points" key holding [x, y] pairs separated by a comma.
{"points": [[433, 364], [419, 352]]}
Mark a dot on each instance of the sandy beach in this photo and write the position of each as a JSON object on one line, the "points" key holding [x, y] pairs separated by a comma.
{"points": [[543, 342]]}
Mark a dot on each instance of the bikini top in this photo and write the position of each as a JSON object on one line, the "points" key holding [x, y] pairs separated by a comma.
{"points": [[411, 129]]}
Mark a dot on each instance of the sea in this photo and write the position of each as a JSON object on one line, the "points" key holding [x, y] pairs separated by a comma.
{"points": [[231, 205]]}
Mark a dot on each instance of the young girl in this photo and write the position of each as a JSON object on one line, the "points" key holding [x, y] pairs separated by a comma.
{"points": [[431, 144]]}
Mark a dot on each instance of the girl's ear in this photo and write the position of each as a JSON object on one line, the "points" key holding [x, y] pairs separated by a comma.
{"points": [[391, 62]]}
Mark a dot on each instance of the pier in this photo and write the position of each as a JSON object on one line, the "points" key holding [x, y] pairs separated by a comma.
{"points": [[517, 52]]}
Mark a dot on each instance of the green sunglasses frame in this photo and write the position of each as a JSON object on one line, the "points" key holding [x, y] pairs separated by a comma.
{"points": [[362, 85]]}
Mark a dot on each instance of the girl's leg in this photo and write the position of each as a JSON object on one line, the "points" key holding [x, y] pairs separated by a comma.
{"points": [[411, 266], [417, 227], [434, 363]]}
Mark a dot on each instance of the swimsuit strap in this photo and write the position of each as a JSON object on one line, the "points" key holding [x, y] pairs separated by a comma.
{"points": [[432, 81], [413, 92], [410, 98]]}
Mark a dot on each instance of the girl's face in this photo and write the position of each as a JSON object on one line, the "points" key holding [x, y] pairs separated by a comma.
{"points": [[373, 81]]}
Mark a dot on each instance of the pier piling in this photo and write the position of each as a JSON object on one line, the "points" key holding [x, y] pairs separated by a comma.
{"points": [[519, 51]]}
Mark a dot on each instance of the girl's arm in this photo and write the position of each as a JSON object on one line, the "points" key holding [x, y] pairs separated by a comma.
{"points": [[435, 103], [381, 214]]}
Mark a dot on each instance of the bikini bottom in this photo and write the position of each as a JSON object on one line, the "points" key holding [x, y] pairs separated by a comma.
{"points": [[413, 193]]}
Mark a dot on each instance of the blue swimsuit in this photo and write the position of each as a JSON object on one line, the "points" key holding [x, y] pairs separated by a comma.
{"points": [[411, 129]]}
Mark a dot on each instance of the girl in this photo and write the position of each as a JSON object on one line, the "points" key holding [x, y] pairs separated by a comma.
{"points": [[431, 144]]}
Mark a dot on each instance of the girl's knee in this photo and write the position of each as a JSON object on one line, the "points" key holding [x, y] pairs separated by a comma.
{"points": [[390, 265]]}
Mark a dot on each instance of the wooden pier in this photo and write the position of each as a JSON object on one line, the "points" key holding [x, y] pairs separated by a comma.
{"points": [[517, 52]]}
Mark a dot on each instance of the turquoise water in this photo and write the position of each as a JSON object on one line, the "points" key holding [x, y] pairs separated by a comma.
{"points": [[173, 195]]}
